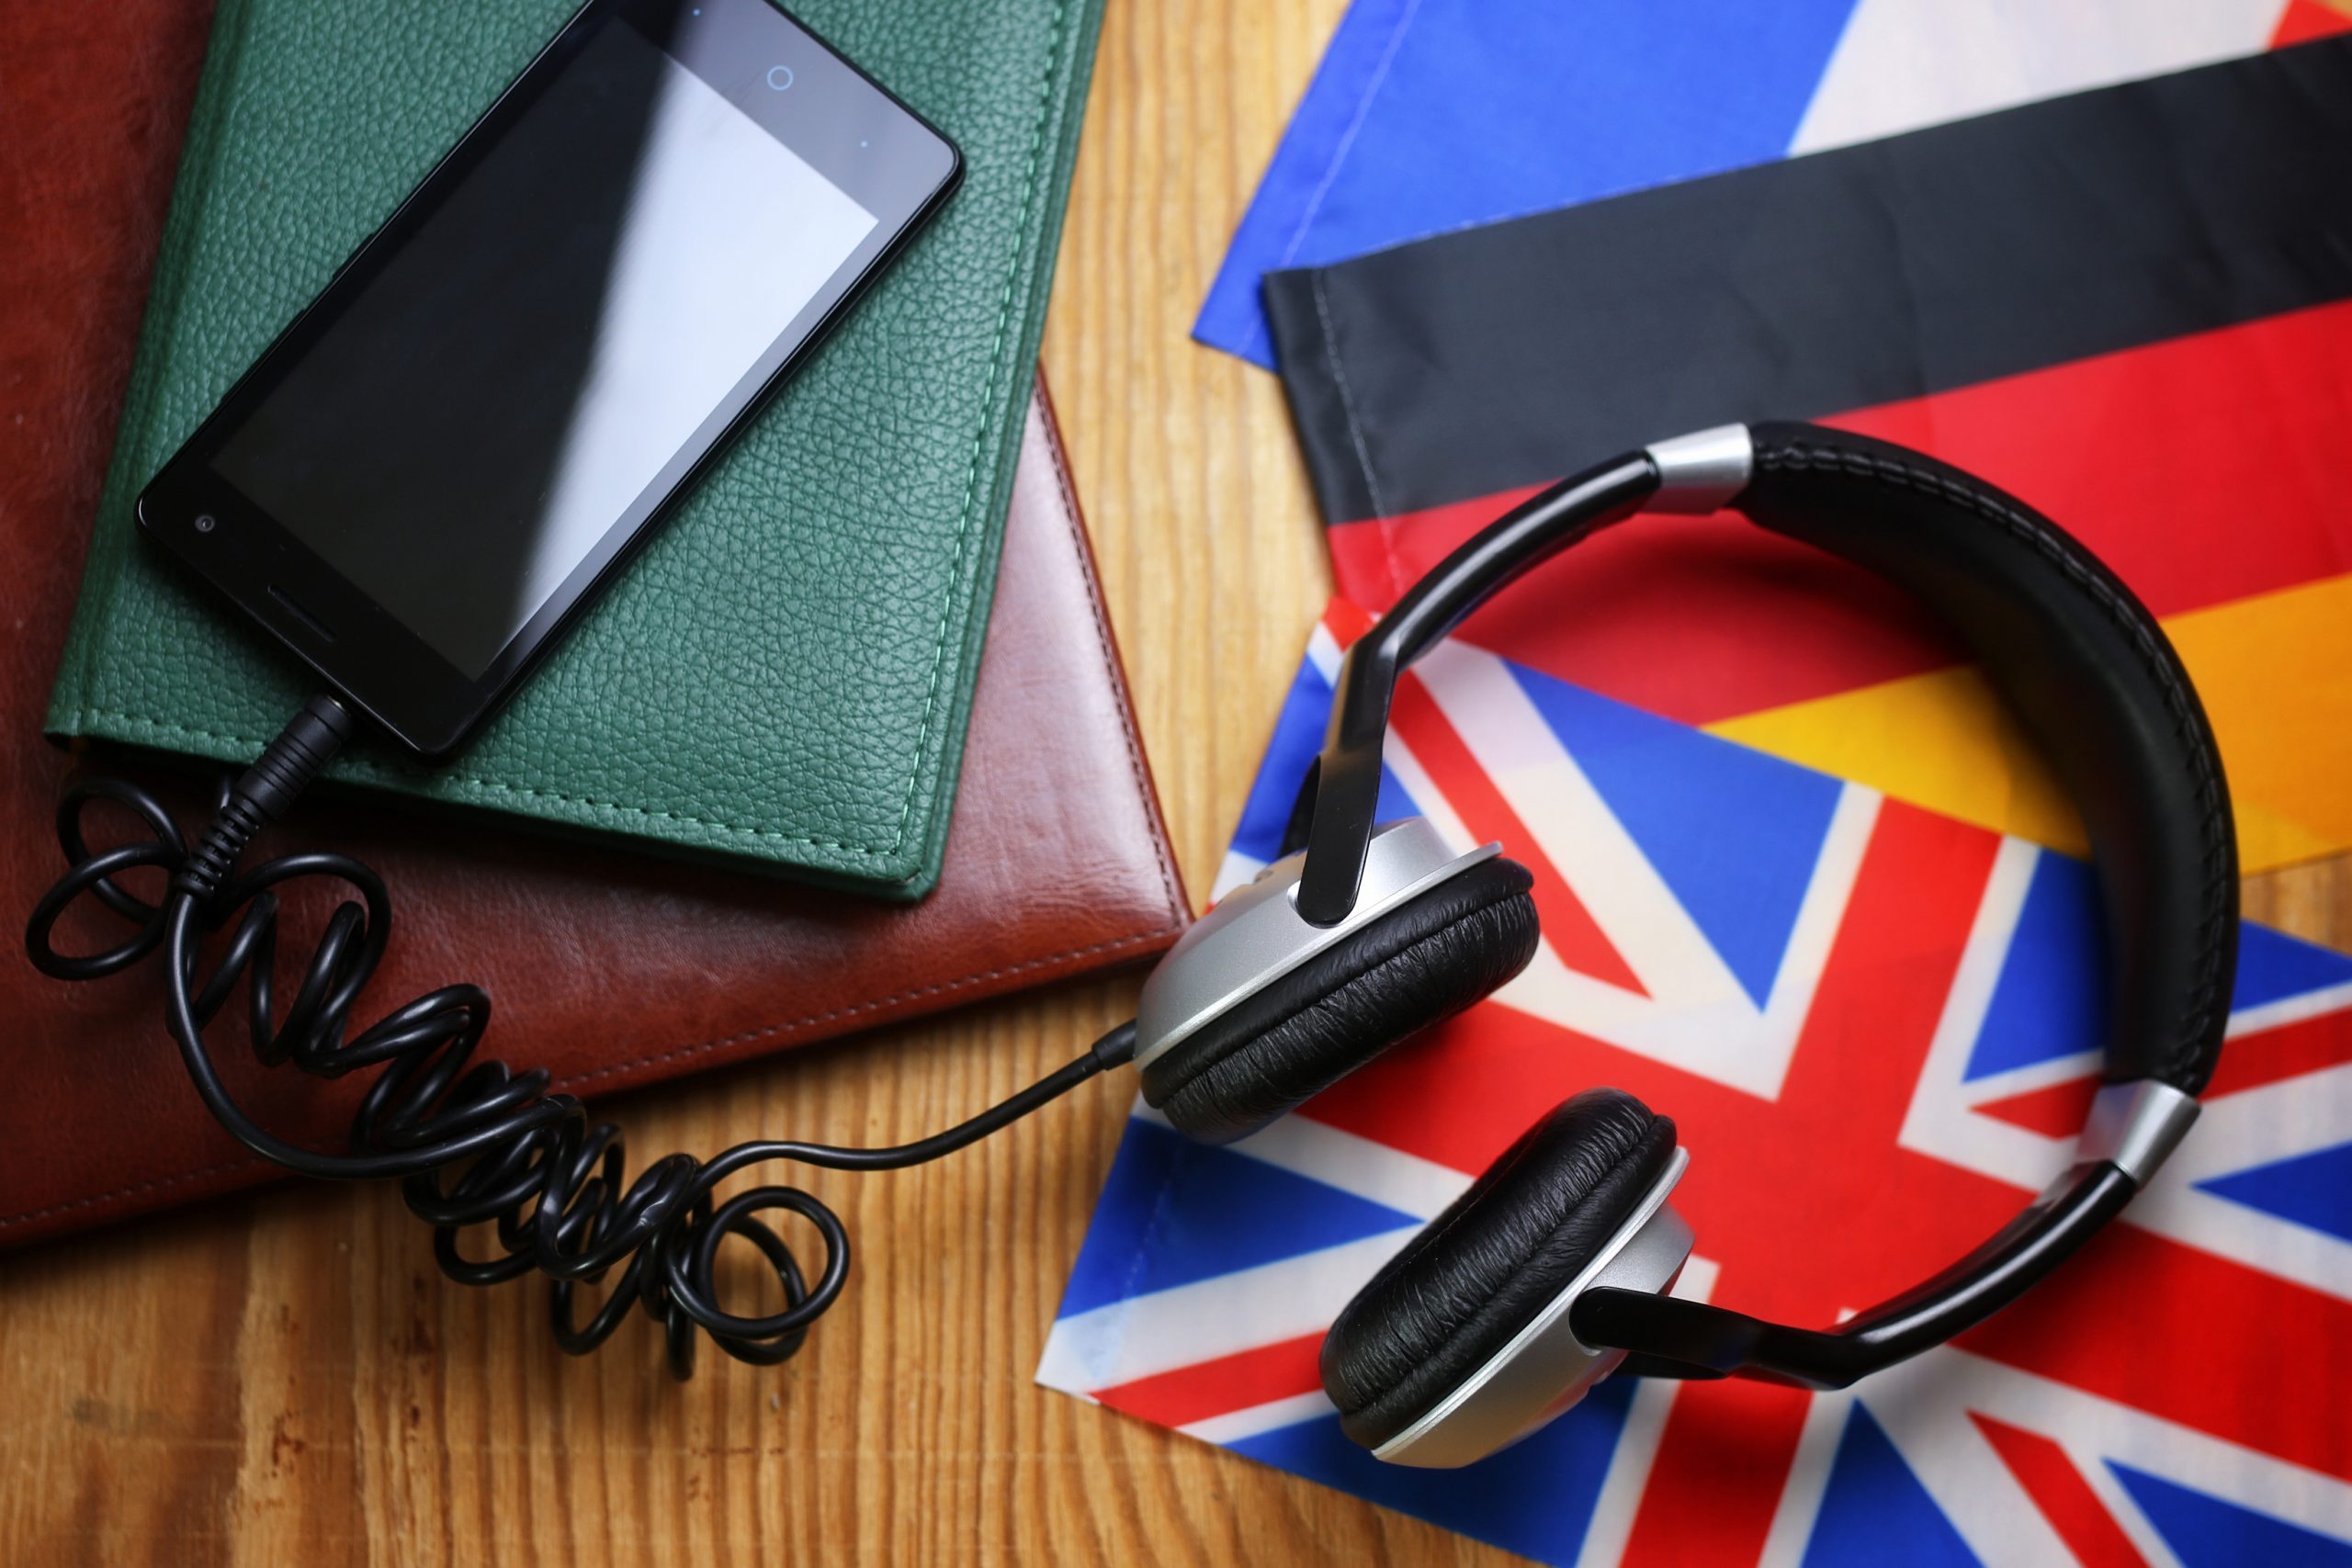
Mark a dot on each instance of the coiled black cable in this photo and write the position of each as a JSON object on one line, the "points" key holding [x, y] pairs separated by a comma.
{"points": [[473, 1145]]}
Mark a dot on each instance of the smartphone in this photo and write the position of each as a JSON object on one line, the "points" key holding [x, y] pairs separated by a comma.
{"points": [[429, 475]]}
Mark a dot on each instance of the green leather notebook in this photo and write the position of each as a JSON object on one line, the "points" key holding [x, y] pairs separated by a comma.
{"points": [[784, 673]]}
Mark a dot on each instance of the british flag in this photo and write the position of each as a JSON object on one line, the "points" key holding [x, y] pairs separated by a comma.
{"points": [[1877, 1029]]}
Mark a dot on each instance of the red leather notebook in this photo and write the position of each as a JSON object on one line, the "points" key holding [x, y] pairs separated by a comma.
{"points": [[612, 969]]}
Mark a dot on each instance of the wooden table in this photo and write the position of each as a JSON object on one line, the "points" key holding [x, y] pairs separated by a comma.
{"points": [[287, 1379]]}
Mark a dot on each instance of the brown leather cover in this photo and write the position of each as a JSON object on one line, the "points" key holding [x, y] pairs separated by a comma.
{"points": [[612, 969]]}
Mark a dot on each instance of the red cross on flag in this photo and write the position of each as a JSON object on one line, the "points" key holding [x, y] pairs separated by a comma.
{"points": [[1878, 1029]]}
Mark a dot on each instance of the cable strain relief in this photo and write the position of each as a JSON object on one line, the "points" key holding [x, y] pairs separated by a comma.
{"points": [[208, 864], [261, 794], [299, 754], [1117, 1048]]}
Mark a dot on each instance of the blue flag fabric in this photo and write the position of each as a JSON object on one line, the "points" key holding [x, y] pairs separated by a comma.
{"points": [[1427, 116]]}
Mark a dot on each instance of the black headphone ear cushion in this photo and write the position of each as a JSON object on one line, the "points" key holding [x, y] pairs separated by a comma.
{"points": [[1480, 1272], [1422, 962]]}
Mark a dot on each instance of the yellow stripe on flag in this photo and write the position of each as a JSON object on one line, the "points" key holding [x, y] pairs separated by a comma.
{"points": [[2274, 672]]}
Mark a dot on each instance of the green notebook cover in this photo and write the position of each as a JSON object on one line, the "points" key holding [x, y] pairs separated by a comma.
{"points": [[784, 673]]}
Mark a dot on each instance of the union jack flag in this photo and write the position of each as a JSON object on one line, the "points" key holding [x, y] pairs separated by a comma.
{"points": [[1878, 1029]]}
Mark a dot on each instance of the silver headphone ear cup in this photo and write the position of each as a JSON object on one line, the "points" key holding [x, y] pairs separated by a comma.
{"points": [[1546, 1370], [1409, 968], [1462, 1343], [1255, 934]]}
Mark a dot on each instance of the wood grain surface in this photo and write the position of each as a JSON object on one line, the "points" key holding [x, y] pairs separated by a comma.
{"points": [[286, 1380]]}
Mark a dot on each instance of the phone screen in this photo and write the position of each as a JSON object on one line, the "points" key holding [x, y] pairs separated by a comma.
{"points": [[478, 418], [506, 384]]}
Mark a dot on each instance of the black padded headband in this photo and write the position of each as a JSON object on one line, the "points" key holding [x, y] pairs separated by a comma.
{"points": [[2099, 686]]}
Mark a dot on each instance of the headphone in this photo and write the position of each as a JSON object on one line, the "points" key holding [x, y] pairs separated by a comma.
{"points": [[1551, 1271]]}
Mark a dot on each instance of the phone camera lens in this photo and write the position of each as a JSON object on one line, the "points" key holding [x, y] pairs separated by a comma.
{"points": [[204, 523]]}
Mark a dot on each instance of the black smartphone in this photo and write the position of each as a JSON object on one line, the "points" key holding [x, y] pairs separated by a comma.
{"points": [[500, 393]]}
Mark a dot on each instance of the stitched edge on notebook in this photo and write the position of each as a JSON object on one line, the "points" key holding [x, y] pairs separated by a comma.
{"points": [[979, 440], [1169, 883]]}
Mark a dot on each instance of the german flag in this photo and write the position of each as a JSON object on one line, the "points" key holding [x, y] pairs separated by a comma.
{"points": [[2132, 306]]}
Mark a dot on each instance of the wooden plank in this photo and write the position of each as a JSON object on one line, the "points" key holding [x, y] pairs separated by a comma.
{"points": [[286, 1380]]}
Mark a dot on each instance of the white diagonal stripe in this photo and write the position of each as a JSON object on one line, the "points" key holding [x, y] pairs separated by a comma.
{"points": [[1573, 827], [1697, 1015], [1808, 1478], [1815, 932], [1272, 1416], [1376, 1171], [2284, 1010], [1922, 1402], [2256, 1127], [1186, 1324], [1939, 1121]]}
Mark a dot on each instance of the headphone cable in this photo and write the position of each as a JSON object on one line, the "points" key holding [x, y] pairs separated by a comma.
{"points": [[472, 1144]]}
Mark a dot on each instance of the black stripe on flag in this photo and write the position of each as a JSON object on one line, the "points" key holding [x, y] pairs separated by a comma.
{"points": [[1508, 354]]}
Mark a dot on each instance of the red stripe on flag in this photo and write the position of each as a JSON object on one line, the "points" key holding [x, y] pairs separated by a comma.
{"points": [[2250, 1061], [2203, 470], [2191, 1336], [1722, 1465], [2065, 1499], [2304, 20], [1567, 925], [1697, 618], [1346, 621], [2185, 526], [2058, 1110], [1227, 1384]]}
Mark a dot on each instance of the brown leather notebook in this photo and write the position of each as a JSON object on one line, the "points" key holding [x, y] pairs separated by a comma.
{"points": [[609, 967]]}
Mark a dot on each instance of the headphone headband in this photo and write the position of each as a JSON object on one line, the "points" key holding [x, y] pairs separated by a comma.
{"points": [[1337, 802], [2098, 683]]}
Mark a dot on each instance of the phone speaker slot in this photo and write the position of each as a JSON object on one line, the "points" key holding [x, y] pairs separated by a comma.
{"points": [[309, 622]]}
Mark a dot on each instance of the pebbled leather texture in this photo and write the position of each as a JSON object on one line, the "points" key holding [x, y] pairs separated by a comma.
{"points": [[1480, 1272], [2099, 685], [1419, 963], [784, 675], [615, 969]]}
